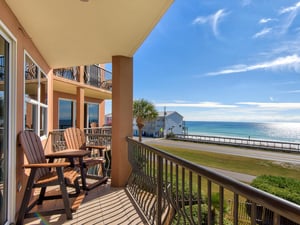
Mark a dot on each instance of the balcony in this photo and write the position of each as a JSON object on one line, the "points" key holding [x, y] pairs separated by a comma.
{"points": [[94, 76], [169, 190]]}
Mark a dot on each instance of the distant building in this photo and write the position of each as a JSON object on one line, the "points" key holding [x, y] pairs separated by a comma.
{"points": [[108, 120], [166, 122]]}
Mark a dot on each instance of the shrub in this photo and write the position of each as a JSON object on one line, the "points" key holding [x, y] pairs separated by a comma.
{"points": [[284, 187]]}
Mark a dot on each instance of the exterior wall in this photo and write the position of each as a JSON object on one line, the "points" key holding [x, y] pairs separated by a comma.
{"points": [[60, 95], [173, 123], [23, 43]]}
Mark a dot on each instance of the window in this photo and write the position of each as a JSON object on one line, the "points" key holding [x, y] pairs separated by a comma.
{"points": [[36, 108], [67, 113], [91, 111]]}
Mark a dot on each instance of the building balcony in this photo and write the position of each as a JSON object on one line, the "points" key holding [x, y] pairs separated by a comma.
{"points": [[165, 189], [96, 81]]}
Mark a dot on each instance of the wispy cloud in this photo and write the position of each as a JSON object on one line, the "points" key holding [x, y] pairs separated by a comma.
{"points": [[196, 105], [290, 8], [265, 20], [263, 32], [291, 62], [293, 91], [246, 2], [273, 105], [240, 111], [292, 12], [213, 20]]}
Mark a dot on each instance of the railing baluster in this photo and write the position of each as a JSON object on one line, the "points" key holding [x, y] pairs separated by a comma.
{"points": [[191, 195], [199, 199], [253, 213], [159, 189], [221, 202], [209, 216], [235, 209]]}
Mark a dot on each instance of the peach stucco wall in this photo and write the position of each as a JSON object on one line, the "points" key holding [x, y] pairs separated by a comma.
{"points": [[23, 43], [122, 68]]}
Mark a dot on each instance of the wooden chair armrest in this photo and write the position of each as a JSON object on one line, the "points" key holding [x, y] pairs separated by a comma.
{"points": [[96, 146], [47, 165]]}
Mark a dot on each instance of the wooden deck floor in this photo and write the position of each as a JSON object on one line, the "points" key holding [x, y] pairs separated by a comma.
{"points": [[103, 205]]}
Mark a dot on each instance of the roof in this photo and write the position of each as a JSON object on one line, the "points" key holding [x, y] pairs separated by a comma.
{"points": [[84, 32], [168, 113]]}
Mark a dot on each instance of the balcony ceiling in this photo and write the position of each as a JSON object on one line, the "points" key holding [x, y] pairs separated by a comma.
{"points": [[83, 32]]}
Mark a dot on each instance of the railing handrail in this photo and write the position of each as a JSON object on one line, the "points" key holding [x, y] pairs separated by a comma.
{"points": [[278, 205], [257, 143]]}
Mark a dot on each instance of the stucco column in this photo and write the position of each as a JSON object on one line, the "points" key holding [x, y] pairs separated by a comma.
{"points": [[122, 103], [80, 108]]}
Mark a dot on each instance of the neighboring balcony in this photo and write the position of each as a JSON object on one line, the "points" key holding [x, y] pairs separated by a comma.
{"points": [[91, 77], [170, 190]]}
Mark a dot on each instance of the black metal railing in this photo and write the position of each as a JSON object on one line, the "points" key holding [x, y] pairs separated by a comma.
{"points": [[93, 76], [98, 77], [171, 190], [243, 142], [71, 73]]}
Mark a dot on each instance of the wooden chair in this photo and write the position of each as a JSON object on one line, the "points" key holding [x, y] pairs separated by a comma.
{"points": [[75, 139], [41, 177]]}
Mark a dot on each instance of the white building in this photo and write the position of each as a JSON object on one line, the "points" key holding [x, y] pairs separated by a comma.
{"points": [[166, 122]]}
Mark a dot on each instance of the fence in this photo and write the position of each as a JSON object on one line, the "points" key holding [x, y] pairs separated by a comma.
{"points": [[171, 190], [242, 142]]}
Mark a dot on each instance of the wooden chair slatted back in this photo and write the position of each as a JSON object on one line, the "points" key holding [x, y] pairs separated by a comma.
{"points": [[33, 149], [75, 138]]}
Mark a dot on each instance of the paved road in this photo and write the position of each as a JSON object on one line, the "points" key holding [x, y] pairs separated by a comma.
{"points": [[239, 151], [293, 158]]}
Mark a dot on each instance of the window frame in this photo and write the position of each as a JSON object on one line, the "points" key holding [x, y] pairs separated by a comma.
{"points": [[12, 112], [36, 102]]}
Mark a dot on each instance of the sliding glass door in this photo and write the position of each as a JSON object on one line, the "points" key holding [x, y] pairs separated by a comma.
{"points": [[4, 118]]}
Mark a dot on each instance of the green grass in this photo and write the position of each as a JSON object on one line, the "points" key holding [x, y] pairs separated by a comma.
{"points": [[238, 164]]}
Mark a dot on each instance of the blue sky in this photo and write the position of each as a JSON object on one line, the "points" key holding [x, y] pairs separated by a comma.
{"points": [[226, 60]]}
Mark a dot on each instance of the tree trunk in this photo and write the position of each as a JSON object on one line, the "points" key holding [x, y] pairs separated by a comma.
{"points": [[140, 125]]}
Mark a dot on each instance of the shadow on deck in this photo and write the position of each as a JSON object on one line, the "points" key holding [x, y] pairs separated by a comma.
{"points": [[102, 205]]}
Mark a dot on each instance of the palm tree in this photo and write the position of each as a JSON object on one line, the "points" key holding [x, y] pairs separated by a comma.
{"points": [[143, 111]]}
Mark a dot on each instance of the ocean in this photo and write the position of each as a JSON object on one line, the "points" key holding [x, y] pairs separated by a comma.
{"points": [[287, 132]]}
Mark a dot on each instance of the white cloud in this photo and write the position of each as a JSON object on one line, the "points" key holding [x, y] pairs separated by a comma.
{"points": [[290, 8], [213, 20], [196, 105], [251, 113], [263, 32], [293, 91], [291, 62], [292, 12], [265, 20], [273, 105]]}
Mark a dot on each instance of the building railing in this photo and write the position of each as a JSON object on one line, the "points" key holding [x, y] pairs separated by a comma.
{"points": [[171, 190], [94, 136], [98, 77], [93, 76], [71, 73], [243, 142]]}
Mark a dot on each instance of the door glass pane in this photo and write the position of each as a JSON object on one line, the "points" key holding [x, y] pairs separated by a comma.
{"points": [[4, 50], [66, 114], [93, 114]]}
